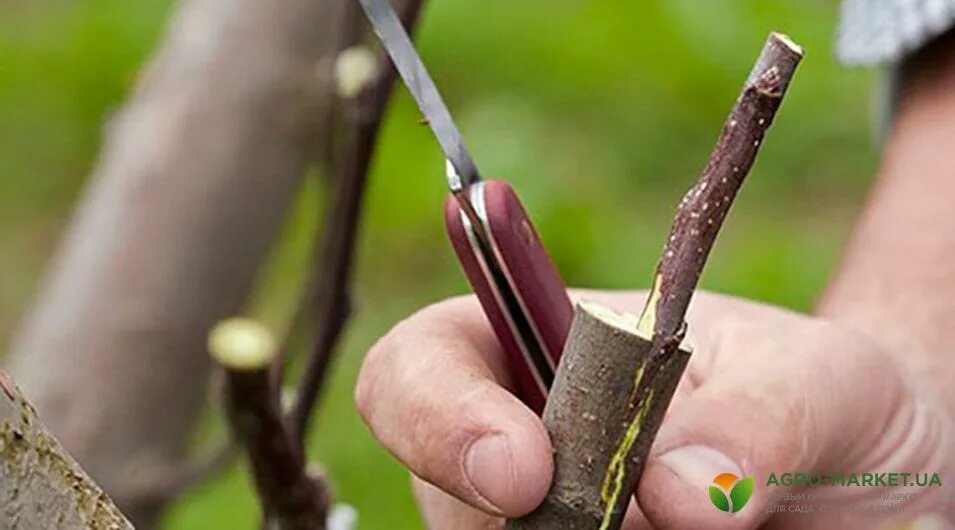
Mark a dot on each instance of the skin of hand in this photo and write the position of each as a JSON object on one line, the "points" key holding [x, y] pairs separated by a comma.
{"points": [[866, 385], [767, 390]]}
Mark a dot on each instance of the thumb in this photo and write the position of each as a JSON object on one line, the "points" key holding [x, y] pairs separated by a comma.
{"points": [[780, 398]]}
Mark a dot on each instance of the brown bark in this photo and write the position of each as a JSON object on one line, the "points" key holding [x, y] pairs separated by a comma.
{"points": [[191, 187], [595, 382], [41, 486], [613, 387], [704, 207]]}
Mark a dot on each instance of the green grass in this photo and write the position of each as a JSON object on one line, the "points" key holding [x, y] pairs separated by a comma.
{"points": [[600, 113]]}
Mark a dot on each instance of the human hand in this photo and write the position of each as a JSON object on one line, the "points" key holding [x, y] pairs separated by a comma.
{"points": [[766, 391]]}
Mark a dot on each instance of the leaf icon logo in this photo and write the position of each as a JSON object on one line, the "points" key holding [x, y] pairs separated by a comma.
{"points": [[729, 493]]}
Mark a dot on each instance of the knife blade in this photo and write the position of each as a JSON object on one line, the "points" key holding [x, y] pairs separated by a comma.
{"points": [[518, 286], [402, 52]]}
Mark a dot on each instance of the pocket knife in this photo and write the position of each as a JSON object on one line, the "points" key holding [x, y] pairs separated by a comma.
{"points": [[519, 288]]}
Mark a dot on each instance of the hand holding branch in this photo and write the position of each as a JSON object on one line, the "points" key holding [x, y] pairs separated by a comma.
{"points": [[615, 381]]}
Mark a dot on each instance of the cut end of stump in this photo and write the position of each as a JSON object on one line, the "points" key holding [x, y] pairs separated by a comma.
{"points": [[787, 41], [626, 322], [242, 344], [623, 321]]}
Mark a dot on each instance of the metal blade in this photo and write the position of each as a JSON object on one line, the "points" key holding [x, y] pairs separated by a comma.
{"points": [[396, 41]]}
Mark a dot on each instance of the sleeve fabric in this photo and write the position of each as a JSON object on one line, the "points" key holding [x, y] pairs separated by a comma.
{"points": [[886, 31]]}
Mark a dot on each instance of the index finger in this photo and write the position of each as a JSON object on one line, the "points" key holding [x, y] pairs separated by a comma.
{"points": [[433, 391]]}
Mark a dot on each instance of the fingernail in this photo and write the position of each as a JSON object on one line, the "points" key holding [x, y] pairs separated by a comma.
{"points": [[489, 468], [698, 464]]}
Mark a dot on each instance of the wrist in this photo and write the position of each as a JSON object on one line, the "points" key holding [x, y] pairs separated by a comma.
{"points": [[895, 282], [919, 342]]}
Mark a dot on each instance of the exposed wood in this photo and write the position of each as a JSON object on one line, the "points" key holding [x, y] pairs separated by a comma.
{"points": [[613, 387], [41, 486], [289, 497], [196, 174]]}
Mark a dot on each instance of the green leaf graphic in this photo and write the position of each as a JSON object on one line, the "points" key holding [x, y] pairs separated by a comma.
{"points": [[741, 493], [719, 499]]}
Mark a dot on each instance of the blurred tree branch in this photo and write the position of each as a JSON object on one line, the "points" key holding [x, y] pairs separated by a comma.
{"points": [[290, 496], [291, 499], [329, 284], [193, 181]]}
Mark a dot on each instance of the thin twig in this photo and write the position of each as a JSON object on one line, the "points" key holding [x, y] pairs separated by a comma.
{"points": [[330, 152], [333, 271], [291, 498], [705, 205], [696, 225], [351, 30]]}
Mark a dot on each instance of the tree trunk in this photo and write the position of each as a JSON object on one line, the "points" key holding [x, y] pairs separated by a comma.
{"points": [[41, 486], [190, 190]]}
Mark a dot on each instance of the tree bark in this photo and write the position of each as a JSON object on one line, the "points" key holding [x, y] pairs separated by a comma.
{"points": [[41, 486], [190, 190], [593, 384], [703, 209], [616, 386]]}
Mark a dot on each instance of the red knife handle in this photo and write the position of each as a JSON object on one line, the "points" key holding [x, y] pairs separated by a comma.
{"points": [[532, 317]]}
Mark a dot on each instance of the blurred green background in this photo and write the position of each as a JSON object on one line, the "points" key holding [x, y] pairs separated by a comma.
{"points": [[601, 113]]}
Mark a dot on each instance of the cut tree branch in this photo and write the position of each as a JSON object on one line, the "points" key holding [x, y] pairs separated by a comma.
{"points": [[291, 499], [334, 261], [615, 380], [41, 486]]}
